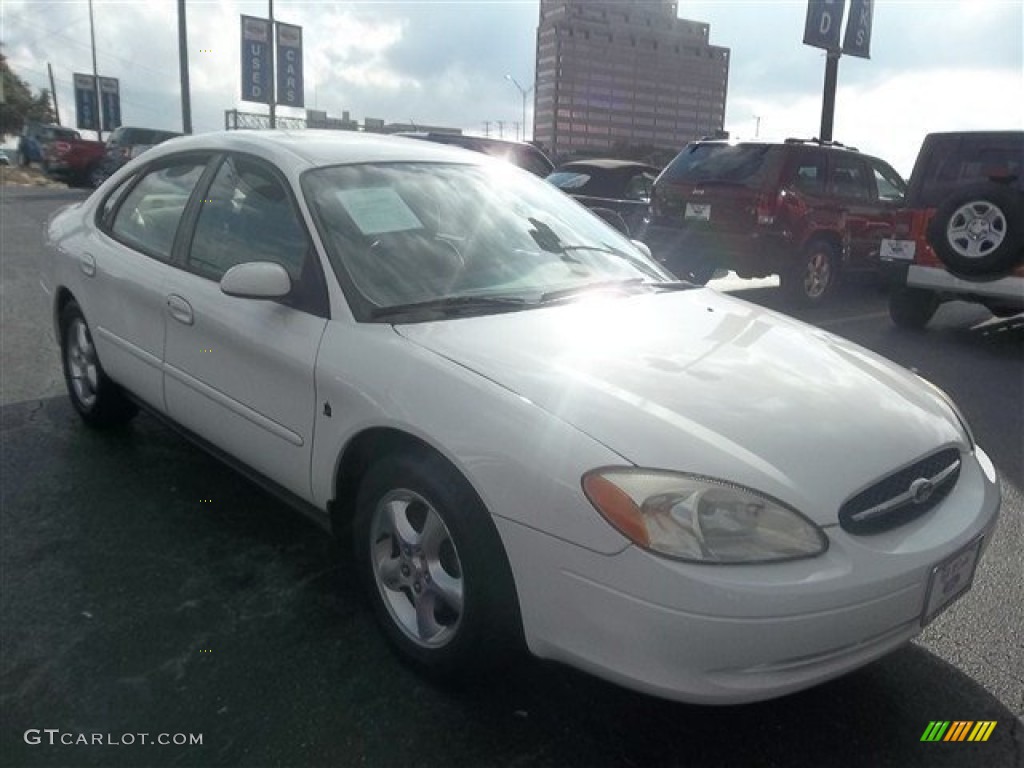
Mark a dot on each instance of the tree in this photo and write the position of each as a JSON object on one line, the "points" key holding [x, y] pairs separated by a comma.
{"points": [[19, 105]]}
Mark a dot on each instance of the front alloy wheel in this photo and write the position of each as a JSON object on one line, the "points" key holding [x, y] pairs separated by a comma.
{"points": [[434, 567], [416, 568]]}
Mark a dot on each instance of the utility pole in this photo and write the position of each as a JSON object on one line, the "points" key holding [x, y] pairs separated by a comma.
{"points": [[96, 78], [487, 128], [53, 91], [516, 124], [186, 98], [501, 129], [273, 86]]}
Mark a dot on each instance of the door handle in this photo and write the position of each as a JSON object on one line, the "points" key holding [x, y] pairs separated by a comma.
{"points": [[87, 263], [180, 309]]}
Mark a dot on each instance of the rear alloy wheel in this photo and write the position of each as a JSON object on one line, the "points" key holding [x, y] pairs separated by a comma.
{"points": [[813, 278], [977, 232], [912, 307], [97, 399], [434, 567]]}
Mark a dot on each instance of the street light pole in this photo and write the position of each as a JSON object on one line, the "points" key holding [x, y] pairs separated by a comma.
{"points": [[524, 92]]}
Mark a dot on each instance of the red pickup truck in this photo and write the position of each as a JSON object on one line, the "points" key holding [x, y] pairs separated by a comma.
{"points": [[77, 161]]}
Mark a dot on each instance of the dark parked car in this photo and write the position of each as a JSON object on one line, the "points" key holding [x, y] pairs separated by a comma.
{"points": [[518, 153], [622, 186], [804, 210], [961, 235], [127, 143]]}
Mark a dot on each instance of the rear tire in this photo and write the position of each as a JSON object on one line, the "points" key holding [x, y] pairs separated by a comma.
{"points": [[98, 400], [813, 279], [434, 568], [912, 307]]}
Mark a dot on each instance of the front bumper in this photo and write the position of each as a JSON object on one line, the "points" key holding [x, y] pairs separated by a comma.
{"points": [[734, 634]]}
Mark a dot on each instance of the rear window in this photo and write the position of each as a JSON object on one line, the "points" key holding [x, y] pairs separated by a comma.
{"points": [[952, 162], [748, 165]]}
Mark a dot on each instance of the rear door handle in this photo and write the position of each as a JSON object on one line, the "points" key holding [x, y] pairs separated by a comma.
{"points": [[87, 263], [180, 309]]}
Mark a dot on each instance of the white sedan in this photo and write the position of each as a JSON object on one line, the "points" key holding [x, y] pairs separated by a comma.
{"points": [[537, 436]]}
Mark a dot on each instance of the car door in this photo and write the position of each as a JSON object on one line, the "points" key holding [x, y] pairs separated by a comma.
{"points": [[125, 263], [238, 372], [851, 186]]}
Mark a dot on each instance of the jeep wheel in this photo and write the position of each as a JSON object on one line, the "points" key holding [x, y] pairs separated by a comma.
{"points": [[977, 232], [912, 307], [813, 278]]}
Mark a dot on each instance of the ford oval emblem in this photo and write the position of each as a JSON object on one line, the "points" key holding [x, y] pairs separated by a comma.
{"points": [[921, 490]]}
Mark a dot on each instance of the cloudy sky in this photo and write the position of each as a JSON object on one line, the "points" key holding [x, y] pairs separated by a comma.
{"points": [[936, 65]]}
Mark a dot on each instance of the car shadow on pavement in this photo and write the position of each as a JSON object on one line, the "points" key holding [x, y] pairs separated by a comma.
{"points": [[149, 589]]}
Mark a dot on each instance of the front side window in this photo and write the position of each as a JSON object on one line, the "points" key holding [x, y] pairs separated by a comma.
{"points": [[890, 186], [247, 216], [639, 187], [149, 216], [408, 233]]}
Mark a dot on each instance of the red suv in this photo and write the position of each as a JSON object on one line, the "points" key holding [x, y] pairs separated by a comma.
{"points": [[804, 210], [962, 233]]}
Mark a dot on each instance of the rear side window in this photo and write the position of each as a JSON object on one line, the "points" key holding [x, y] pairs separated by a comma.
{"points": [[850, 178], [149, 216], [808, 172], [749, 165]]}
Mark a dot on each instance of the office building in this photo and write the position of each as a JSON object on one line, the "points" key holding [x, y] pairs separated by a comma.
{"points": [[626, 73]]}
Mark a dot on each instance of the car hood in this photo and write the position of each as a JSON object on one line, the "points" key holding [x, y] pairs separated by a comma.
{"points": [[705, 383]]}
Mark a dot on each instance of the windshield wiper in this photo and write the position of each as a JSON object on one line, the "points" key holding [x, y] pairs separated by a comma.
{"points": [[605, 285], [451, 304], [602, 285]]}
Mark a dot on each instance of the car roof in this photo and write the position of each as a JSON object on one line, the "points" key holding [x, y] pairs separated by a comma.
{"points": [[298, 150]]}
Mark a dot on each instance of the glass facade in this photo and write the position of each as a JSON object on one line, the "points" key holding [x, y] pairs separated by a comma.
{"points": [[627, 72]]}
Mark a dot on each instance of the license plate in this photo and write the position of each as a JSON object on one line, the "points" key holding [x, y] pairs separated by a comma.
{"points": [[698, 212], [897, 250], [950, 579]]}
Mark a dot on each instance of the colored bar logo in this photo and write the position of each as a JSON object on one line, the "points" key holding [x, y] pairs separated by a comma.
{"points": [[958, 730]]}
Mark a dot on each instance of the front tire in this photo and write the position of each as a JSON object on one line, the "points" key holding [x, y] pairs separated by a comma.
{"points": [[814, 277], [434, 567], [97, 399], [912, 307]]}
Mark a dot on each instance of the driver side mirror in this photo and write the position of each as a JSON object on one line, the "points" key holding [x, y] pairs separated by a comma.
{"points": [[256, 280]]}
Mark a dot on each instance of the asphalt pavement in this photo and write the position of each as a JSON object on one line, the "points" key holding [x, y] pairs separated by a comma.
{"points": [[147, 589]]}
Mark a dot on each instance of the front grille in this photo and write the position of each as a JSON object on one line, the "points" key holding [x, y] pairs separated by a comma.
{"points": [[891, 501]]}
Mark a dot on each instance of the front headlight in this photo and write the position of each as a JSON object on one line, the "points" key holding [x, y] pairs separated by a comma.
{"points": [[700, 519]]}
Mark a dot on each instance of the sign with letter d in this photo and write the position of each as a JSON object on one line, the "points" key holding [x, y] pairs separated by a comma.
{"points": [[824, 18]]}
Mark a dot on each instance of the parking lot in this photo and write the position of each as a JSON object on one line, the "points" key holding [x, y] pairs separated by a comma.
{"points": [[149, 589]]}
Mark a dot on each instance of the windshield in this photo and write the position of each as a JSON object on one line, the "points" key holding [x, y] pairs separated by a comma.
{"points": [[402, 234]]}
